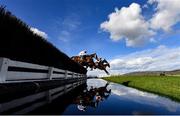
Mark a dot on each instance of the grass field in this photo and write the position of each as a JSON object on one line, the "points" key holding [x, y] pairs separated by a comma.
{"points": [[168, 86]]}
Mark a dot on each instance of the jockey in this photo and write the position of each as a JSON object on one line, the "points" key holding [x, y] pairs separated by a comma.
{"points": [[98, 97], [82, 54], [81, 107]]}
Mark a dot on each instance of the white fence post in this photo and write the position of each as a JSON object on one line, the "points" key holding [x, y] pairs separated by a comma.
{"points": [[50, 72], [3, 69], [73, 75], [49, 99], [66, 74]]}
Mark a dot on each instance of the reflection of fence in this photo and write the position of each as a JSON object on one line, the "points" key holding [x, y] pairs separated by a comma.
{"points": [[16, 71], [37, 100]]}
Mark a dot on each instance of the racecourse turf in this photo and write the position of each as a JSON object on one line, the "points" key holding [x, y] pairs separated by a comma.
{"points": [[168, 86]]}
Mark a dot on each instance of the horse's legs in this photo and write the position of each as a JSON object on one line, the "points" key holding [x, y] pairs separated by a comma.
{"points": [[91, 67], [94, 67], [106, 71]]}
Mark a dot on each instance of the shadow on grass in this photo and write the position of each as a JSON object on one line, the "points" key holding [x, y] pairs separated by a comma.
{"points": [[126, 83]]}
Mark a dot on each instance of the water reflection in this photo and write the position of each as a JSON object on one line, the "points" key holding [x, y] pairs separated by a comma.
{"points": [[144, 98], [92, 97], [32, 101], [95, 97]]}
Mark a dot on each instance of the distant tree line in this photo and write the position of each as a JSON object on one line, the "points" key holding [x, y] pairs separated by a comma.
{"points": [[18, 42]]}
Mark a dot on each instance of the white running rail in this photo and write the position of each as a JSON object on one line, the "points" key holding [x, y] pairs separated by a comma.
{"points": [[16, 71]]}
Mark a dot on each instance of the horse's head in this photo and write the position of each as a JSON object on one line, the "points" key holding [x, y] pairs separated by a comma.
{"points": [[106, 63], [72, 57]]}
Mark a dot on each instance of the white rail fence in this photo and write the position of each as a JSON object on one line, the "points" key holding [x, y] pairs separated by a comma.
{"points": [[50, 95], [16, 71]]}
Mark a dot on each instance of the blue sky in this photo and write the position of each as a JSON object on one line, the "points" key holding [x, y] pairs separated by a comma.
{"points": [[75, 25]]}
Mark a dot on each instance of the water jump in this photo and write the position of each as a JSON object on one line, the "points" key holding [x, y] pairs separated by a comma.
{"points": [[87, 60]]}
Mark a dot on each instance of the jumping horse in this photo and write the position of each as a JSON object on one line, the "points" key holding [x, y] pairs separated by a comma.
{"points": [[86, 60], [102, 65]]}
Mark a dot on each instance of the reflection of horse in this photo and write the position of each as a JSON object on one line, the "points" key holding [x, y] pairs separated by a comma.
{"points": [[87, 97], [86, 61], [102, 65], [103, 92]]}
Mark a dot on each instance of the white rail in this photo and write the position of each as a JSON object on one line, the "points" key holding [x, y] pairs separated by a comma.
{"points": [[16, 71], [50, 95]]}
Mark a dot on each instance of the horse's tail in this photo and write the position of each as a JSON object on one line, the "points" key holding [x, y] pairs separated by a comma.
{"points": [[72, 57]]}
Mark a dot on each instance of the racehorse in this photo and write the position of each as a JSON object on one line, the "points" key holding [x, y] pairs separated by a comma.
{"points": [[103, 92], [102, 65], [86, 98], [86, 61], [77, 59]]}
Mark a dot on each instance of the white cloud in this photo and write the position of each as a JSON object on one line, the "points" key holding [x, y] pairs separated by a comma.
{"points": [[64, 36], [128, 23], [157, 59], [160, 58], [39, 32], [69, 26], [134, 63], [71, 22], [167, 14], [153, 40]]}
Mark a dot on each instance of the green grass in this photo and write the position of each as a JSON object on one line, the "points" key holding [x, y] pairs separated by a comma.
{"points": [[168, 86]]}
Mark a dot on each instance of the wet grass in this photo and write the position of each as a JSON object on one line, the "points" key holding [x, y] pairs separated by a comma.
{"points": [[168, 86]]}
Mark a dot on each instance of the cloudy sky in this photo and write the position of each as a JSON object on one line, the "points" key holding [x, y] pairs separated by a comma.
{"points": [[133, 35]]}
